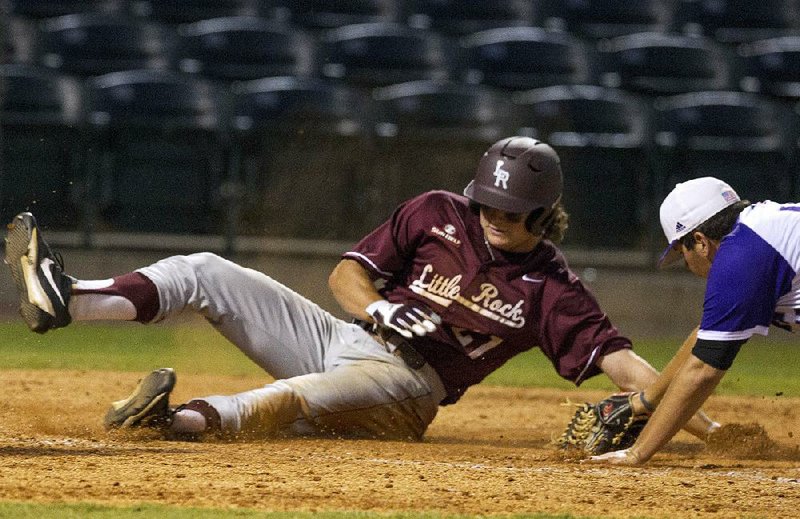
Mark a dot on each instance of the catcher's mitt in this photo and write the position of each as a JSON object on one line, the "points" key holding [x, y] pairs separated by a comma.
{"points": [[609, 425]]}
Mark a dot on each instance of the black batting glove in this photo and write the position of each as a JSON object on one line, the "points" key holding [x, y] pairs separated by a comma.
{"points": [[407, 319]]}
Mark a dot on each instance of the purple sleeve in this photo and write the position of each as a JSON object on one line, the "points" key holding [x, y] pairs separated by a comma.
{"points": [[576, 332], [387, 249]]}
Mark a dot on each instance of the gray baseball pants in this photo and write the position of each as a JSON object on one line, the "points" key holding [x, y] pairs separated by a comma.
{"points": [[332, 377]]}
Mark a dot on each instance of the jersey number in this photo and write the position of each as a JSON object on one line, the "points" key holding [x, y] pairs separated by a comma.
{"points": [[480, 342]]}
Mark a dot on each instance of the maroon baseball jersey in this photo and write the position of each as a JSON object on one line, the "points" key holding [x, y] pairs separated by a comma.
{"points": [[493, 304]]}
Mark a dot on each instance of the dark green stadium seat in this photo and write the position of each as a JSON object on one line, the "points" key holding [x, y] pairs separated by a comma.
{"points": [[41, 9], [303, 154], [42, 146], [741, 138], [598, 19], [737, 21], [772, 67], [666, 64], [379, 54], [461, 17], [242, 48], [7, 41], [92, 44], [431, 135], [18, 37], [327, 14], [517, 58], [601, 135], [158, 147], [187, 11]]}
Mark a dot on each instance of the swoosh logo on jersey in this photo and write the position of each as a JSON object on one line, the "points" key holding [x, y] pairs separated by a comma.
{"points": [[527, 277]]}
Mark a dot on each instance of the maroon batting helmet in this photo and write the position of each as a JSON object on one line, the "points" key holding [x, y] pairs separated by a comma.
{"points": [[517, 175]]}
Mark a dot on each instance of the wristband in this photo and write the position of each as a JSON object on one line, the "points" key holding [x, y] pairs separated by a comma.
{"points": [[647, 405]]}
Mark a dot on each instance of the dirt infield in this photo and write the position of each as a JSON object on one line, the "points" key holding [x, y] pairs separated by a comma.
{"points": [[490, 454]]}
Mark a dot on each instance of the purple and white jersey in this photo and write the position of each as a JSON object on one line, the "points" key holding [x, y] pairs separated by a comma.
{"points": [[754, 277], [493, 305]]}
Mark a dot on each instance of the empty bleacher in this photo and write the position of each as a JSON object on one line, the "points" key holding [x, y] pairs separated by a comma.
{"points": [[312, 119]]}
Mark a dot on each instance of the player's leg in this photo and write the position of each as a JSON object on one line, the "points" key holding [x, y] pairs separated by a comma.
{"points": [[368, 392], [366, 399], [48, 298], [281, 331]]}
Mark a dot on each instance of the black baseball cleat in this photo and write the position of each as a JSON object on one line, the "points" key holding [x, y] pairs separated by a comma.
{"points": [[38, 274], [147, 406]]}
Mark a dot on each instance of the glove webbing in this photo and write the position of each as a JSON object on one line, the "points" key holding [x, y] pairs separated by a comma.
{"points": [[584, 428], [580, 427]]}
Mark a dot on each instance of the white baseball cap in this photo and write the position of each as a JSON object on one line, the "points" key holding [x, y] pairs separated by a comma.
{"points": [[689, 205]]}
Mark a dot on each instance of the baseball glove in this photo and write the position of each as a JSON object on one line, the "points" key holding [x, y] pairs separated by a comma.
{"points": [[609, 425]]}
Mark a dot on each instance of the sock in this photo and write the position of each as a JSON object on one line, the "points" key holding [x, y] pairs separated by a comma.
{"points": [[91, 307], [196, 416], [130, 297], [188, 421]]}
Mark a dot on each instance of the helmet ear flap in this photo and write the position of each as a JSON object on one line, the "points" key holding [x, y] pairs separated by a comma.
{"points": [[532, 218], [540, 219], [536, 222]]}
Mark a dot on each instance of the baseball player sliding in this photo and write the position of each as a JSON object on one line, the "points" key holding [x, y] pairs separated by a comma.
{"points": [[443, 293], [749, 254]]}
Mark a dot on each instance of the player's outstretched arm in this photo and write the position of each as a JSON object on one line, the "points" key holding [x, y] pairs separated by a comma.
{"points": [[632, 373], [655, 391], [692, 385], [700, 425]]}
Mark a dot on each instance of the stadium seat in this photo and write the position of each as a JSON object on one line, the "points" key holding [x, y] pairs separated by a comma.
{"points": [[664, 64], [598, 19], [242, 48], [302, 154], [737, 21], [601, 135], [460, 17], [518, 58], [42, 146], [157, 146], [327, 14], [188, 11], [379, 54], [93, 44], [432, 134], [741, 138], [19, 36], [8, 45], [772, 67], [51, 8]]}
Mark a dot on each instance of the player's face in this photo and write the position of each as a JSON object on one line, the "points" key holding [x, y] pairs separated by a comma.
{"points": [[507, 231]]}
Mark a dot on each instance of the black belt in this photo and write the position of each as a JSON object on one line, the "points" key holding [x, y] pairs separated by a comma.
{"points": [[402, 346]]}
